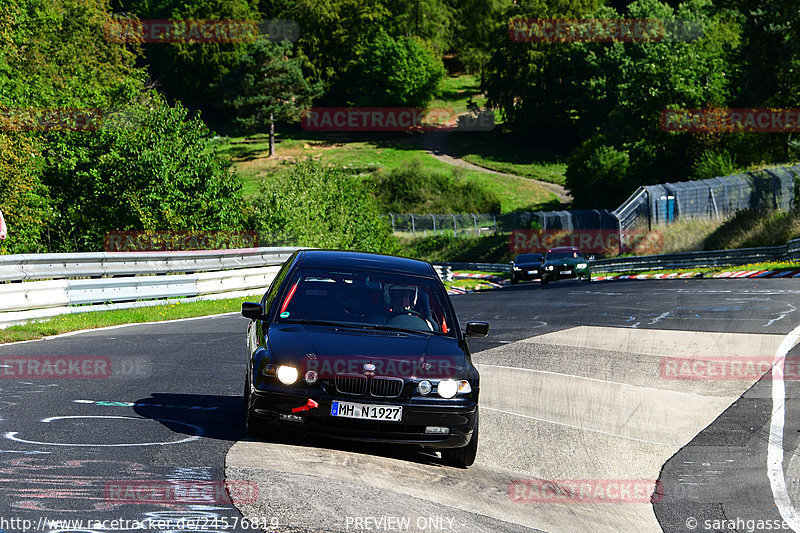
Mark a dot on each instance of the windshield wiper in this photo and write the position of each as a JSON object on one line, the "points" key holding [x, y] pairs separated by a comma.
{"points": [[316, 322], [393, 328]]}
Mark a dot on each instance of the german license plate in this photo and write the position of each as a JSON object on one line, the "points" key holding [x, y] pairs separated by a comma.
{"points": [[388, 413], [533, 271], [566, 271]]}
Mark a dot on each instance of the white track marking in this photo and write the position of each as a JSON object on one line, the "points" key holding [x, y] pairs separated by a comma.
{"points": [[777, 478], [577, 427], [12, 435]]}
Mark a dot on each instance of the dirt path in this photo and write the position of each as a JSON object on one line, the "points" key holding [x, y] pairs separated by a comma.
{"points": [[436, 144]]}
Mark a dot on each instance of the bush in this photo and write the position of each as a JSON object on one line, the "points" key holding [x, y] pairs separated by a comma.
{"points": [[412, 189], [323, 207], [23, 199], [713, 164], [153, 174], [597, 175], [393, 72]]}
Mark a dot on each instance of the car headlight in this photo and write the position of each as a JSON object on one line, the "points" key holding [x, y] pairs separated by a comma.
{"points": [[582, 265], [450, 387], [549, 267], [287, 374], [517, 268], [424, 387]]}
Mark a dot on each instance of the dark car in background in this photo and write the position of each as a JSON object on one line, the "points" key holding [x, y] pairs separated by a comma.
{"points": [[364, 347], [565, 262], [526, 266]]}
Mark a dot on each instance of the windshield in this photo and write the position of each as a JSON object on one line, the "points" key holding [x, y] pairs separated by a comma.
{"points": [[370, 299], [564, 255]]}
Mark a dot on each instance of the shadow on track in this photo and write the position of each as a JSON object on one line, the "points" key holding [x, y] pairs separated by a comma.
{"points": [[222, 418]]}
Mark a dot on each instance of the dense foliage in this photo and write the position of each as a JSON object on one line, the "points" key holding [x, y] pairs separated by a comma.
{"points": [[411, 189], [600, 101], [324, 207]]}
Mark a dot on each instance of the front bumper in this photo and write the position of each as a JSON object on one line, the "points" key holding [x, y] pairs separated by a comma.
{"points": [[566, 273], [533, 273], [456, 414]]}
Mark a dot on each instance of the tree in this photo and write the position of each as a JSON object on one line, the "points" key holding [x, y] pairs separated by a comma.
{"points": [[320, 206], [158, 172], [392, 72], [270, 87], [24, 199]]}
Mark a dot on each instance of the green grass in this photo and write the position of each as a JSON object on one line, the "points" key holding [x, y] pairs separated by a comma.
{"points": [[483, 249], [456, 90], [100, 319], [507, 153], [383, 152]]}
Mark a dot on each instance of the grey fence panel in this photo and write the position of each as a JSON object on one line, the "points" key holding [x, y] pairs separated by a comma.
{"points": [[471, 224], [713, 198]]}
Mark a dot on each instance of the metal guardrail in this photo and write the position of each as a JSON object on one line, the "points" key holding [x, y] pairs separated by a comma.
{"points": [[717, 258], [26, 267], [481, 267], [45, 285]]}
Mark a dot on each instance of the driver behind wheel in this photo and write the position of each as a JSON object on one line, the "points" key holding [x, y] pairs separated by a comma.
{"points": [[402, 300]]}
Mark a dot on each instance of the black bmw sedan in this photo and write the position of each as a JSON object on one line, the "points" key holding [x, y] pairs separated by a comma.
{"points": [[526, 266], [364, 347]]}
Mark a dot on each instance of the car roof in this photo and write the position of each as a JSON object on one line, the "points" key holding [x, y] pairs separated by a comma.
{"points": [[364, 260], [564, 249]]}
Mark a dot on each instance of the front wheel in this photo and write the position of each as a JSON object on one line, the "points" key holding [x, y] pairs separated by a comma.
{"points": [[251, 423], [545, 281], [463, 457], [514, 280]]}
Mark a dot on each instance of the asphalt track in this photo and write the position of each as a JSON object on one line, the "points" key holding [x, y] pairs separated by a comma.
{"points": [[574, 390]]}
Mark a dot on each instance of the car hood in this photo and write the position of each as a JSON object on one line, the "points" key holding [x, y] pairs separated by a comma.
{"points": [[345, 350], [528, 265], [566, 262]]}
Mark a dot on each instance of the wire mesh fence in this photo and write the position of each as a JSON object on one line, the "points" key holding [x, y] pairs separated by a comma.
{"points": [[714, 198], [420, 225], [471, 224]]}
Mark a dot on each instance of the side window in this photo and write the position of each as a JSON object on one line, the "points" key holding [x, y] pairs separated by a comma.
{"points": [[272, 292]]}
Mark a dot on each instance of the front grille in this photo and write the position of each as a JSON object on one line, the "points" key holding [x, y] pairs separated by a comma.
{"points": [[355, 385], [358, 385], [385, 387]]}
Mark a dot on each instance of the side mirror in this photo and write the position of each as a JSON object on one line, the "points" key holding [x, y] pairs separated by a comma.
{"points": [[476, 329], [253, 311]]}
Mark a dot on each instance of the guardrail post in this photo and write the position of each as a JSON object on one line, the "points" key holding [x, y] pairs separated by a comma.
{"points": [[413, 228], [455, 227], [433, 218]]}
